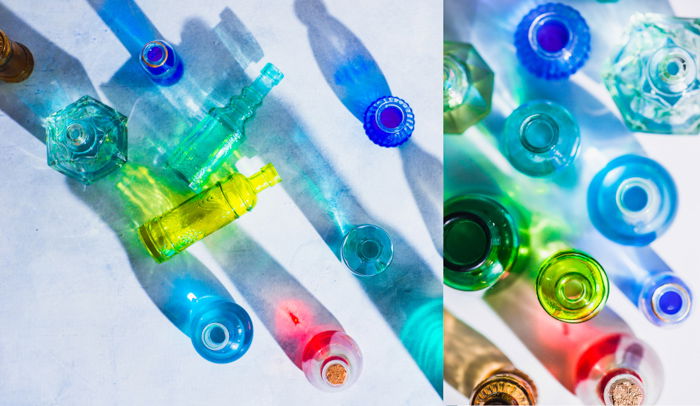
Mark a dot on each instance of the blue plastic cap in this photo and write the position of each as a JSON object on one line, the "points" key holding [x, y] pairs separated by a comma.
{"points": [[632, 200], [389, 121], [161, 63], [553, 41], [367, 250], [221, 330], [666, 300]]}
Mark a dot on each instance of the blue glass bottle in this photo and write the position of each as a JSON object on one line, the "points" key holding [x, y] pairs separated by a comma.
{"points": [[632, 200], [552, 41], [86, 140], [540, 137], [367, 250], [654, 78], [221, 331], [160, 61], [389, 121]]}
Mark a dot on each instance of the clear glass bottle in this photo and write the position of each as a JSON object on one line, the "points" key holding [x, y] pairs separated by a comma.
{"points": [[212, 141], [332, 361], [467, 87], [553, 41], [16, 61], [654, 78], [204, 213], [480, 370], [540, 137], [632, 200]]}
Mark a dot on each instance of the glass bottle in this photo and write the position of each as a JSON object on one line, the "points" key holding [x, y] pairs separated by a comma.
{"points": [[480, 242], [16, 61], [331, 360], [654, 78], [572, 286], [212, 141], [540, 137], [389, 121], [221, 331], [480, 370], [367, 250], [552, 41], [161, 63], [467, 87], [86, 140], [632, 200], [204, 213]]}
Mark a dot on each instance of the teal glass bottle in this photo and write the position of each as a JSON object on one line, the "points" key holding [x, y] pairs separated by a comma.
{"points": [[86, 140], [367, 250], [467, 87], [212, 141], [540, 137], [654, 78], [480, 242]]}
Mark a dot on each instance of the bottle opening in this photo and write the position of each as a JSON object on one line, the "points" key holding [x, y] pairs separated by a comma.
{"points": [[671, 303], [215, 336], [573, 290], [635, 198], [624, 389], [553, 36], [539, 133], [154, 54], [335, 372], [367, 250], [370, 249], [638, 198], [391, 117], [672, 70], [467, 241]]}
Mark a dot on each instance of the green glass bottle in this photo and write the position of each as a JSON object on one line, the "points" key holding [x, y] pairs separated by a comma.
{"points": [[480, 242], [212, 141], [572, 286], [467, 87], [204, 213]]}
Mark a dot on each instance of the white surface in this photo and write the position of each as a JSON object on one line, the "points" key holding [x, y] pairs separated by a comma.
{"points": [[78, 327], [677, 347]]}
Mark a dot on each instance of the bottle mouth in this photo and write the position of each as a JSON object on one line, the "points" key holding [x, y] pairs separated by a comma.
{"points": [[505, 388], [81, 137], [467, 241], [367, 250], [672, 70], [638, 199], [389, 121], [623, 389], [539, 133], [671, 303], [335, 372], [550, 35], [154, 54], [222, 331]]}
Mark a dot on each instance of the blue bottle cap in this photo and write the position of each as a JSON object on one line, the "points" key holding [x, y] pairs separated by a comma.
{"points": [[367, 250], [540, 137], [221, 330], [389, 121], [666, 300], [161, 63], [552, 41], [632, 200]]}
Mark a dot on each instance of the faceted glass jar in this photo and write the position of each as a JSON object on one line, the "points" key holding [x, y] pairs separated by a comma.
{"points": [[467, 87], [86, 140], [654, 78]]}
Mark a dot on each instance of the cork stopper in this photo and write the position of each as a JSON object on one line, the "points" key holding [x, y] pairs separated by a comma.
{"points": [[336, 374], [626, 392]]}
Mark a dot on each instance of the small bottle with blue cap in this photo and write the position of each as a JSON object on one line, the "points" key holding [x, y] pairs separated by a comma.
{"points": [[389, 121], [161, 63]]}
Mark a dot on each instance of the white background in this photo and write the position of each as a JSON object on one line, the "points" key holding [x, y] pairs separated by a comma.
{"points": [[677, 347], [77, 327]]}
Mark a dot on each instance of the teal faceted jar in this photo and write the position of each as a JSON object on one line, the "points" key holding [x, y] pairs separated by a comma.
{"points": [[480, 242], [654, 78], [367, 250], [540, 137], [86, 140], [467, 87]]}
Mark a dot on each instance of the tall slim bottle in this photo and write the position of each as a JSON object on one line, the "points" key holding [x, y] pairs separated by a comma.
{"points": [[212, 141], [204, 213], [480, 370]]}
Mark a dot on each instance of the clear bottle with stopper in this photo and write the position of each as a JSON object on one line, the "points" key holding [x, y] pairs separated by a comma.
{"points": [[204, 213], [211, 142], [331, 360], [480, 370], [16, 61]]}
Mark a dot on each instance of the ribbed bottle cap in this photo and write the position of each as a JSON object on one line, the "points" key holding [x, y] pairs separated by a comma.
{"points": [[389, 121]]}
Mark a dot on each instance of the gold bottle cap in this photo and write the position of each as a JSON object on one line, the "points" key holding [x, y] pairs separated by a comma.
{"points": [[505, 388], [5, 48]]}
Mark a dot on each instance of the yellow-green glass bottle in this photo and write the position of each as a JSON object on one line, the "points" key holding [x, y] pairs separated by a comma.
{"points": [[205, 213]]}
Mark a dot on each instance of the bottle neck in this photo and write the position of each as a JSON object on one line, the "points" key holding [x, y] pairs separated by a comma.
{"points": [[252, 96]]}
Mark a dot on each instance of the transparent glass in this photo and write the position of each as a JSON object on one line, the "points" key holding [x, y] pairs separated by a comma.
{"points": [[367, 250], [221, 331], [332, 361], [204, 213], [572, 286], [16, 61], [86, 140], [654, 78], [389, 121], [480, 242], [540, 137], [214, 139], [632, 200], [665, 299], [552, 41], [161, 63], [467, 87], [480, 370]]}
